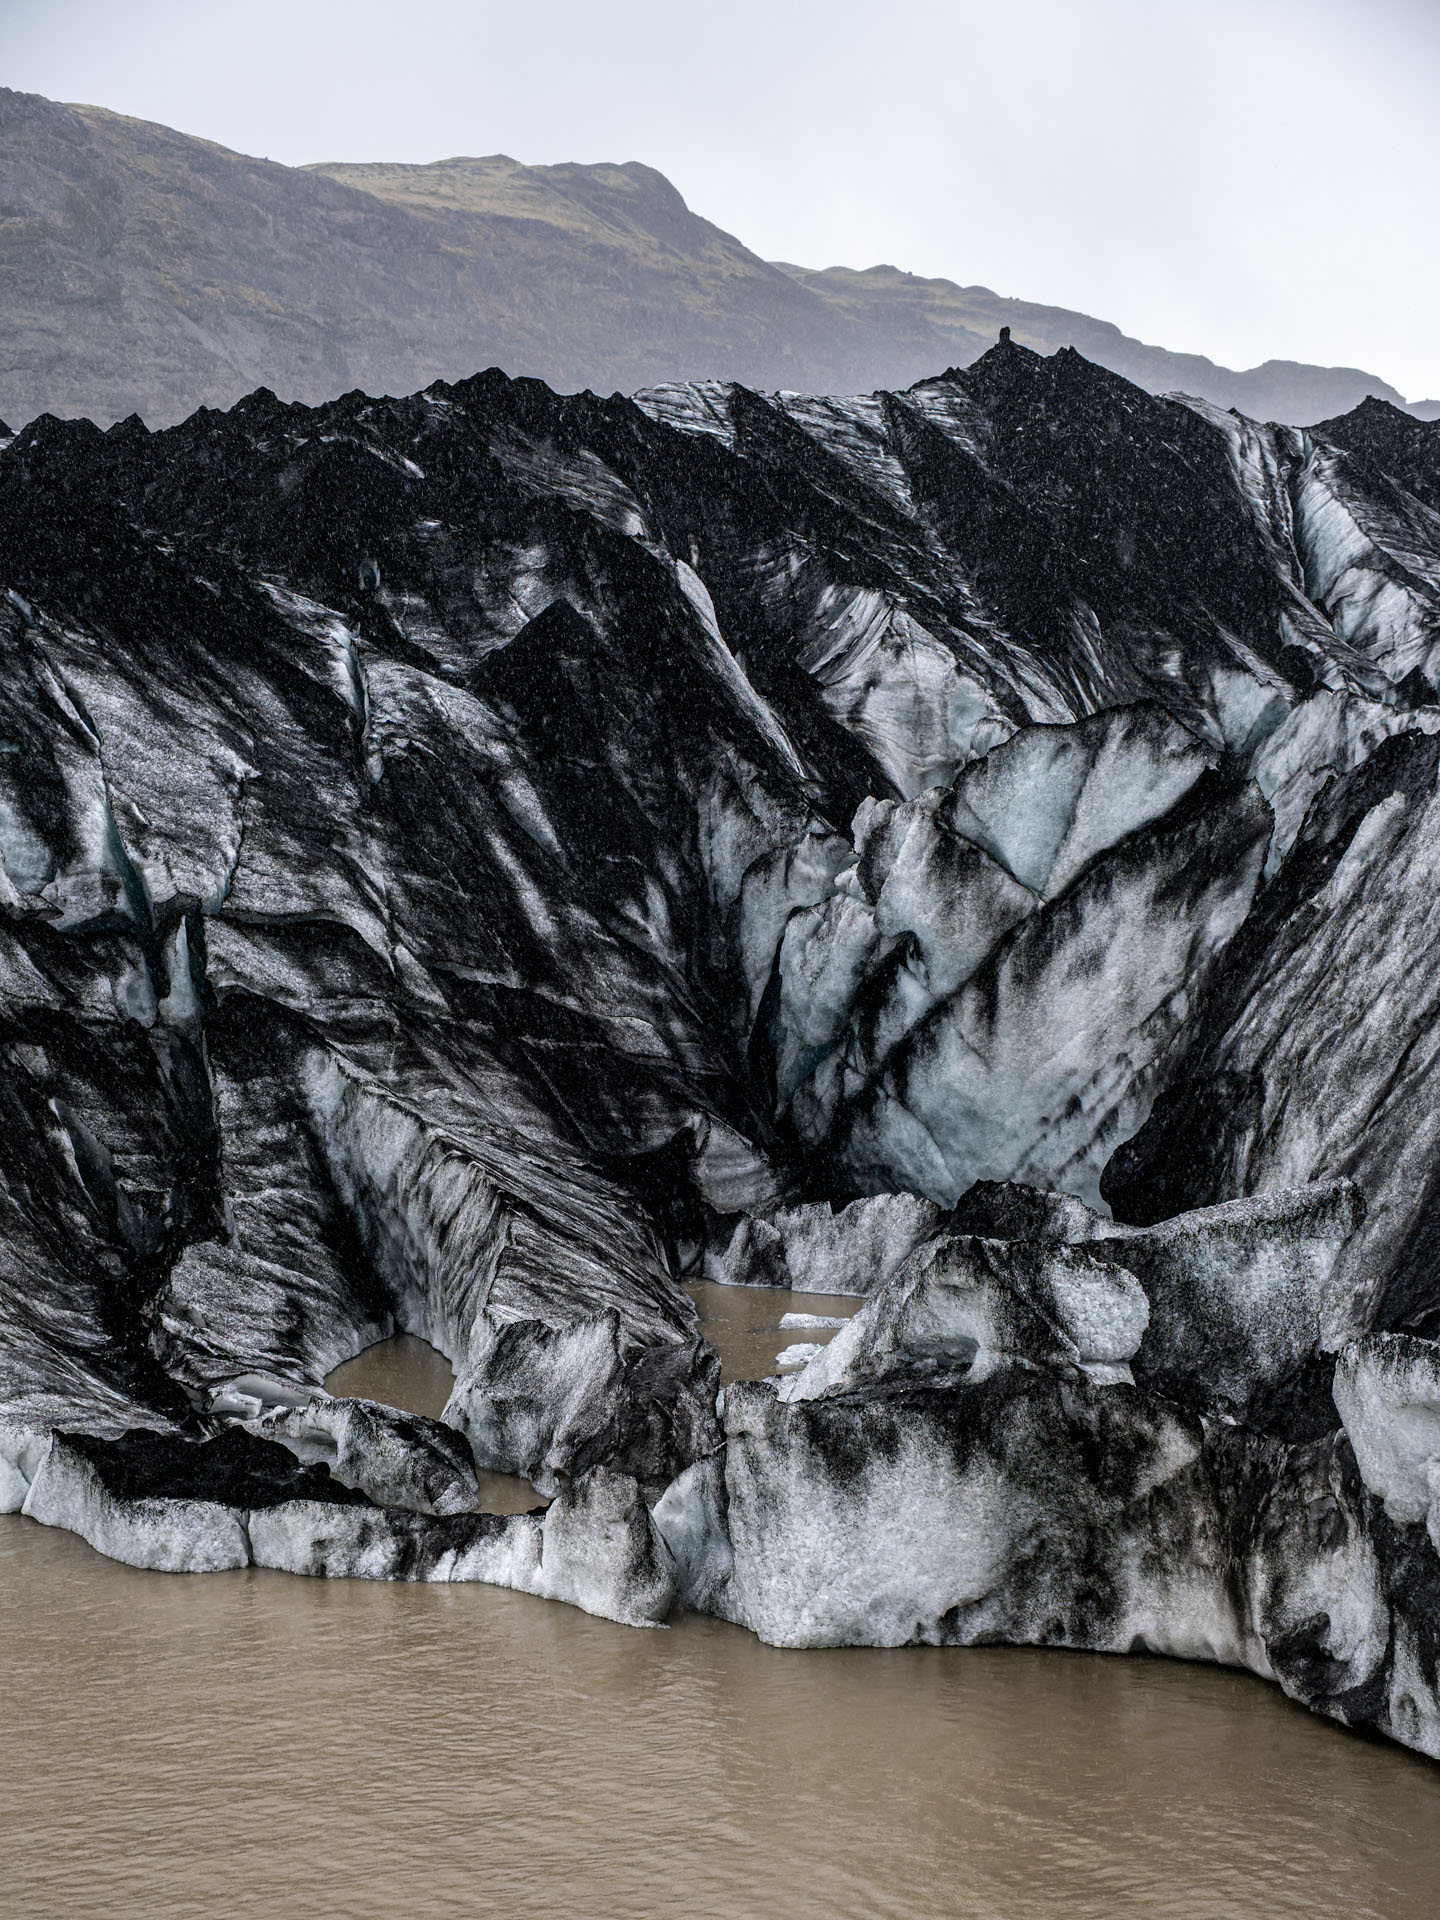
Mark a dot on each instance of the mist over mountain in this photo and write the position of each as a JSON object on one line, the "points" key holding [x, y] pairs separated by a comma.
{"points": [[142, 270]]}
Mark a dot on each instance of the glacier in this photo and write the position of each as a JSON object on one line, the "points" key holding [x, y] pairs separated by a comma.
{"points": [[471, 863]]}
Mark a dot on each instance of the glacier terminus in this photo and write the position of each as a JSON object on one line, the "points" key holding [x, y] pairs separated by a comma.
{"points": [[475, 862]]}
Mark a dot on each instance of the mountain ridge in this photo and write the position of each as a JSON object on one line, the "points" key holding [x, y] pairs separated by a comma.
{"points": [[146, 270]]}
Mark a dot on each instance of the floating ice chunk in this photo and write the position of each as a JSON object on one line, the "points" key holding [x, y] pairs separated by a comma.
{"points": [[799, 1354], [971, 1304], [248, 1393], [813, 1248], [398, 1459], [788, 1320]]}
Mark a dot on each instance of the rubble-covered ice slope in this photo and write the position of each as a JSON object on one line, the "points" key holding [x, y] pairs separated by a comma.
{"points": [[471, 861]]}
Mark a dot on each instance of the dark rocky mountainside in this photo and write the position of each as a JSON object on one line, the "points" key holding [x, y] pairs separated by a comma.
{"points": [[145, 271], [473, 861]]}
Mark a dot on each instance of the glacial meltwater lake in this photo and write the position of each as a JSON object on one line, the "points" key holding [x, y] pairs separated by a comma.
{"points": [[250, 1743]]}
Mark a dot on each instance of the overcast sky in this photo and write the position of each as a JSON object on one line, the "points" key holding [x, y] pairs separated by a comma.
{"points": [[1244, 178]]}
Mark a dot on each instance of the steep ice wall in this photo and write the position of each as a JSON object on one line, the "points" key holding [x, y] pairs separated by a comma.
{"points": [[546, 1295], [1369, 562], [468, 861], [929, 980], [1313, 1051], [971, 1460], [899, 689]]}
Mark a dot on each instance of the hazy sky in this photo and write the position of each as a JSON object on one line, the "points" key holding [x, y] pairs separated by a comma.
{"points": [[1244, 178]]}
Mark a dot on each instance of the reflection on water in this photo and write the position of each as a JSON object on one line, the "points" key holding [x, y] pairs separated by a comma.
{"points": [[743, 1323], [249, 1743]]}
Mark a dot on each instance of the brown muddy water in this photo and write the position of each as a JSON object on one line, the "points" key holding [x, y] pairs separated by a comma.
{"points": [[254, 1744]]}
